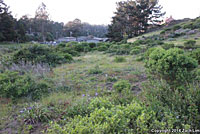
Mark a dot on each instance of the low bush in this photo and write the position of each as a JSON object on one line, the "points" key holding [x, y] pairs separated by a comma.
{"points": [[192, 25], [133, 118], [114, 48], [176, 27], [189, 44], [120, 59], [99, 103], [38, 113], [124, 49], [41, 54], [111, 79], [15, 86], [92, 45], [122, 85], [162, 32], [167, 46], [152, 43], [78, 108], [136, 50], [102, 48], [197, 74], [149, 51], [69, 51], [172, 65], [188, 26], [95, 70], [181, 103], [196, 54]]}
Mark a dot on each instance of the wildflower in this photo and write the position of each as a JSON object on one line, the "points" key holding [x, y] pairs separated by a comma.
{"points": [[96, 94], [83, 95], [21, 111], [29, 108]]}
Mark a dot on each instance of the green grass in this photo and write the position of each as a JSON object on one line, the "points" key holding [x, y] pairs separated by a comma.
{"points": [[80, 83], [144, 35], [76, 76]]}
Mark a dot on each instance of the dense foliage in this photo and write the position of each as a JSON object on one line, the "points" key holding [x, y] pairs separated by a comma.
{"points": [[41, 54], [14, 85], [41, 28], [133, 17], [172, 65]]}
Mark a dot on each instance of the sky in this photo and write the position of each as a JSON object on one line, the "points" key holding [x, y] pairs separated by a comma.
{"points": [[96, 11]]}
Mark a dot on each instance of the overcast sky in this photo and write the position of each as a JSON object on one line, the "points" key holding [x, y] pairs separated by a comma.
{"points": [[96, 11]]}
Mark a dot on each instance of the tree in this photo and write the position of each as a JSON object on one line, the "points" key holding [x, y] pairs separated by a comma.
{"points": [[115, 32], [42, 18], [73, 28], [3, 7], [133, 18], [7, 24]]}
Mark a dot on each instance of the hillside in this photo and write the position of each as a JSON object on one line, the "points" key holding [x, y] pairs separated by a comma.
{"points": [[176, 33], [150, 84]]}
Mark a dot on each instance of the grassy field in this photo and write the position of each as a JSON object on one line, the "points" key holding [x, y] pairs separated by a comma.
{"points": [[80, 80], [87, 88]]}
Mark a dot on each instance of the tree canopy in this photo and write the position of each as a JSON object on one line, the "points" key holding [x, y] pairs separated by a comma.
{"points": [[133, 18], [41, 28]]}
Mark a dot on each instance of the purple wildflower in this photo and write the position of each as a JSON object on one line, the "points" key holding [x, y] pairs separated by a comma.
{"points": [[29, 108], [21, 111], [83, 95], [96, 94]]}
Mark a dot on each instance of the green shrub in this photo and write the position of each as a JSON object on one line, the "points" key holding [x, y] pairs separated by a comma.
{"points": [[92, 45], [176, 27], [61, 45], [196, 54], [140, 58], [167, 29], [41, 54], [182, 103], [172, 65], [114, 49], [95, 70], [133, 118], [14, 86], [149, 51], [122, 85], [139, 42], [80, 47], [99, 103], [119, 59], [102, 48], [136, 50], [38, 113], [189, 26], [197, 74], [111, 79], [167, 46], [162, 32], [124, 49], [151, 42], [189, 44], [80, 108], [69, 51]]}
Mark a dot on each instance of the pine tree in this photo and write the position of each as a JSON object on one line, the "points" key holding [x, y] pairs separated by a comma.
{"points": [[7, 24], [134, 17]]}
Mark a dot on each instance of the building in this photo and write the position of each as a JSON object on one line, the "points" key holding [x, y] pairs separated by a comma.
{"points": [[89, 39], [66, 39], [169, 20]]}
